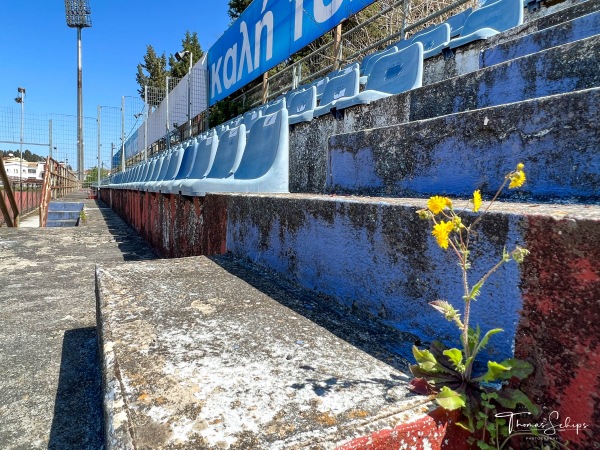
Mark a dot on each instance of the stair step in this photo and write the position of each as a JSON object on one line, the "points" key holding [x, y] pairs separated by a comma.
{"points": [[201, 353], [466, 59], [555, 137], [375, 255], [557, 70], [561, 34]]}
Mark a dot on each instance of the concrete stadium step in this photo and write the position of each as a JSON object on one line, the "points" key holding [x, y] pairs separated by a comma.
{"points": [[560, 69], [375, 255], [563, 33], [556, 137], [467, 59], [201, 353]]}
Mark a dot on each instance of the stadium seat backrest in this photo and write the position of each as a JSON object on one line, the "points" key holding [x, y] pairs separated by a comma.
{"points": [[250, 117], [189, 154], [500, 16], [229, 152], [271, 108], [205, 155], [369, 60], [303, 101], [398, 72], [267, 139], [457, 22], [434, 40], [342, 86]]}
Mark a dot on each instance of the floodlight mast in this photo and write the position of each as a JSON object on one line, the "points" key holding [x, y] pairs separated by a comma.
{"points": [[79, 15]]}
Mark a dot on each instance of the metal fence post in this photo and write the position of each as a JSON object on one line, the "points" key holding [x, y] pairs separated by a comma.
{"points": [[123, 134]]}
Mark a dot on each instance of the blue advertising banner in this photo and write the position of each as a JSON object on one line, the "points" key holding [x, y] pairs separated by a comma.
{"points": [[266, 34]]}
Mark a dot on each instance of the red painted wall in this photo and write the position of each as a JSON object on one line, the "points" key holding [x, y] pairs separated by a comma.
{"points": [[559, 331], [174, 225]]}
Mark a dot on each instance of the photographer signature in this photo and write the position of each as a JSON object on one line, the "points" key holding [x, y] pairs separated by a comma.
{"points": [[549, 426]]}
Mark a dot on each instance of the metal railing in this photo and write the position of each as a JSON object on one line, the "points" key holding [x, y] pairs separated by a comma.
{"points": [[58, 182], [398, 19], [8, 204]]}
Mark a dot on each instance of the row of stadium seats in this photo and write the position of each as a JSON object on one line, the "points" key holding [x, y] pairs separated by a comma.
{"points": [[224, 160], [249, 153]]}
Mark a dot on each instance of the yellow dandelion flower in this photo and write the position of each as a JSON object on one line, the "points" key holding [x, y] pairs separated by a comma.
{"points": [[476, 200], [436, 204], [441, 232], [517, 179]]}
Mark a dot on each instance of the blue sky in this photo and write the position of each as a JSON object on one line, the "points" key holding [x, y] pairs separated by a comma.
{"points": [[39, 52]]}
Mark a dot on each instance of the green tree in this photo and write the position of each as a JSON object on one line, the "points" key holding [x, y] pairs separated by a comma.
{"points": [[92, 174], [237, 7], [190, 43], [152, 72]]}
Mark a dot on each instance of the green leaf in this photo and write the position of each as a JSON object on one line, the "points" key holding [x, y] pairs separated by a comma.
{"points": [[456, 356], [424, 358], [475, 290], [518, 368], [495, 372], [484, 341], [449, 399], [510, 398]]}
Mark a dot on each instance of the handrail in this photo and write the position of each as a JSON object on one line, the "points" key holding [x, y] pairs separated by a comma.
{"points": [[46, 192], [58, 182], [14, 220]]}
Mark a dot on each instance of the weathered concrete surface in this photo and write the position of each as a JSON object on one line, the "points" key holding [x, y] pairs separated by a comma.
{"points": [[459, 153], [173, 225], [562, 69], [571, 31], [376, 256], [210, 354], [560, 326], [50, 389], [466, 58]]}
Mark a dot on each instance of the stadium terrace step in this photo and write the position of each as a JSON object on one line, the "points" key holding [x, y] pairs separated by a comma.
{"points": [[459, 153], [466, 59], [545, 73], [200, 353], [563, 33]]}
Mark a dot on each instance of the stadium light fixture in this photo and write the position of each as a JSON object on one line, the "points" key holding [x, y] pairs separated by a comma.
{"points": [[79, 15]]}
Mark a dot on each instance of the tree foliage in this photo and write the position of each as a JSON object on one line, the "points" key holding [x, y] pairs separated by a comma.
{"points": [[92, 174], [28, 155], [237, 7], [190, 43], [153, 71]]}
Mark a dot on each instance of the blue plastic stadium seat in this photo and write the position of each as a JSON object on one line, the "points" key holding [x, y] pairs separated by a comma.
{"points": [[457, 22], [203, 158], [250, 117], [434, 40], [290, 95], [136, 175], [264, 166], [320, 84], [369, 61], [167, 169], [302, 106], [337, 88], [159, 169], [273, 107], [343, 70], [175, 165], [490, 20], [225, 161], [147, 174], [392, 74]]}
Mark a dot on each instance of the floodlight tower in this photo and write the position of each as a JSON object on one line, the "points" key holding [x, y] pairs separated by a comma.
{"points": [[79, 15]]}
